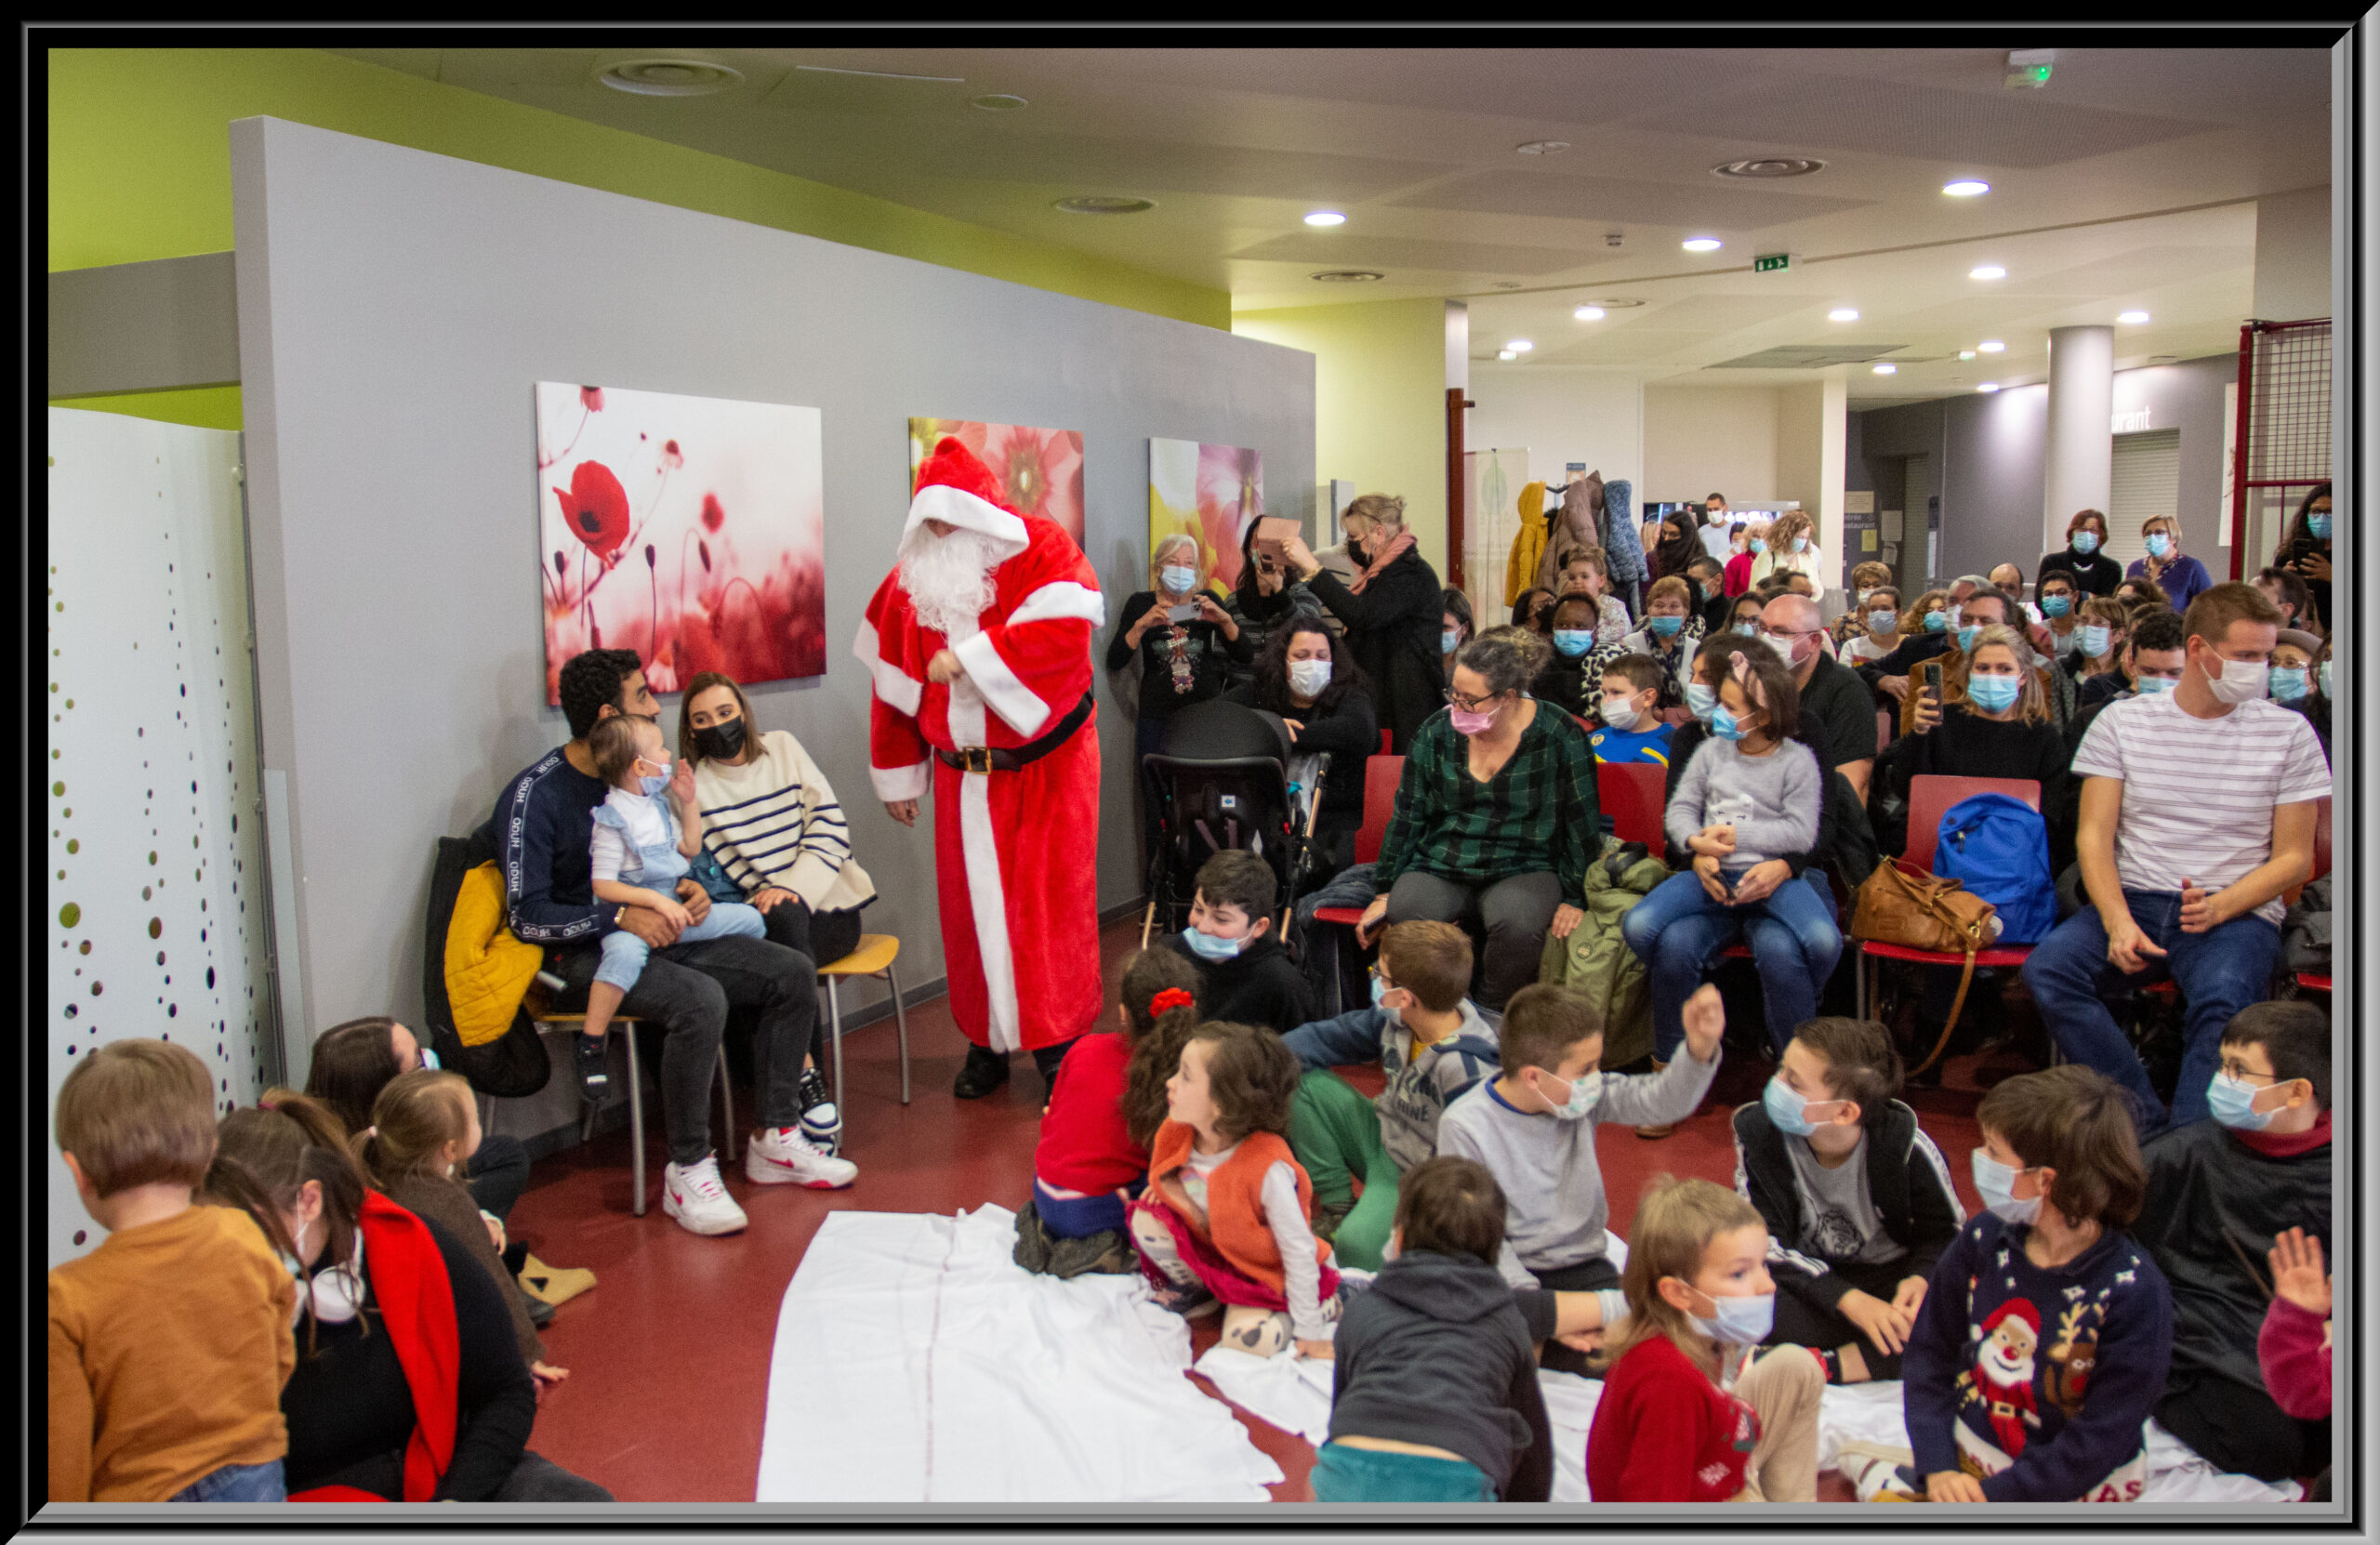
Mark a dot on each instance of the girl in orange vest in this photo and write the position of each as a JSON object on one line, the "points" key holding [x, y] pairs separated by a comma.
{"points": [[1227, 1218]]}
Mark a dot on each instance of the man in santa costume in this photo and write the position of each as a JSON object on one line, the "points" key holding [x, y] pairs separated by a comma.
{"points": [[979, 643]]}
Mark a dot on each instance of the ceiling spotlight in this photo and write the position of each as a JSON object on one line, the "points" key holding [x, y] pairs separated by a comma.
{"points": [[999, 102], [2132, 319], [1991, 346], [1506, 354], [1701, 243], [1770, 166], [1987, 271], [1842, 314], [1518, 346], [669, 77], [1989, 386], [1589, 313], [1966, 188], [1543, 147], [1101, 204], [1346, 276], [1885, 369], [1966, 353], [1326, 216]]}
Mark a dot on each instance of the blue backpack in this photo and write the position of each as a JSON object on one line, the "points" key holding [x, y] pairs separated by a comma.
{"points": [[1998, 849]]}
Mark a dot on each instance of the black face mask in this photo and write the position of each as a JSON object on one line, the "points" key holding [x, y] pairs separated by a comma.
{"points": [[723, 741]]}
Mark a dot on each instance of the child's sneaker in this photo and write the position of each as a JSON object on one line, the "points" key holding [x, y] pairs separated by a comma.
{"points": [[782, 1155], [1192, 1301], [822, 1120], [594, 1071], [694, 1195]]}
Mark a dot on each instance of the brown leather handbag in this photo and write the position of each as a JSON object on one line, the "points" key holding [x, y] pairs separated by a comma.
{"points": [[1904, 906]]}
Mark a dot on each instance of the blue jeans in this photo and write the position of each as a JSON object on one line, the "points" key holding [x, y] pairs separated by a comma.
{"points": [[2219, 973], [1080, 1217], [625, 954], [1678, 930], [237, 1483], [1344, 1474]]}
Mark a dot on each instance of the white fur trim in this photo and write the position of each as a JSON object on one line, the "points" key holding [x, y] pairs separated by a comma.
{"points": [[1062, 599], [899, 690], [956, 506], [901, 782], [1007, 697], [979, 851]]}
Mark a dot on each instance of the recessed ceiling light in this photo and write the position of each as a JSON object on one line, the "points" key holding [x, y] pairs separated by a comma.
{"points": [[1987, 271], [1770, 165], [1966, 353], [1506, 354], [1101, 204], [1988, 386], [1543, 147], [1991, 346], [1842, 314], [1701, 243], [1966, 188], [1519, 346], [1589, 313], [669, 77], [1326, 216], [1885, 369], [999, 102], [2132, 318], [1346, 276]]}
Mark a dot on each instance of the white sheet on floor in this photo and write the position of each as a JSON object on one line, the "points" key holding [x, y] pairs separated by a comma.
{"points": [[1291, 1393], [915, 1362]]}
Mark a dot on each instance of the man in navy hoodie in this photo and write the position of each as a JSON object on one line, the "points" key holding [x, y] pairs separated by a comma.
{"points": [[543, 828]]}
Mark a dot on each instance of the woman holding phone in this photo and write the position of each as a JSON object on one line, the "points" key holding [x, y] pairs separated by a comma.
{"points": [[1185, 642]]}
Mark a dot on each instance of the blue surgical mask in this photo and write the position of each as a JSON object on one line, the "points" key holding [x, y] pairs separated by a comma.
{"points": [[1738, 1321], [2151, 686], [1177, 578], [2056, 606], [2318, 527], [1937, 622], [2287, 684], [1449, 639], [1882, 622], [653, 784], [2159, 543], [1801, 544], [1994, 1182], [1993, 694], [429, 1059], [2323, 674], [1702, 700], [1788, 1111], [1574, 641], [1966, 634], [2085, 542], [2229, 1100], [2095, 638], [1380, 989], [1206, 946], [1665, 626], [1723, 725], [1760, 544], [1584, 1092], [1750, 629]]}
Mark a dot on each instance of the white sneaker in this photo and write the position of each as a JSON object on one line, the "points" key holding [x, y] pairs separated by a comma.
{"points": [[694, 1196], [781, 1155]]}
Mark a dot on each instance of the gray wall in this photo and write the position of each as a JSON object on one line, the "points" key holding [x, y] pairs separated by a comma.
{"points": [[396, 308], [2188, 397]]}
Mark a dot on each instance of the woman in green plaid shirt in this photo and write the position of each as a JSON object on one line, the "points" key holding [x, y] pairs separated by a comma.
{"points": [[1495, 818]]}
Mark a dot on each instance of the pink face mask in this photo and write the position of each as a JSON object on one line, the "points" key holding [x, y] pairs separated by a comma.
{"points": [[1468, 722]]}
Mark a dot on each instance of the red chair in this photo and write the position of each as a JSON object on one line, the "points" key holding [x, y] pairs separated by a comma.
{"points": [[1382, 776], [1387, 738], [1929, 796], [1632, 794]]}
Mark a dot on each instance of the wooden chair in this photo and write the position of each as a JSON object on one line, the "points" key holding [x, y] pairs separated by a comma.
{"points": [[624, 1026], [875, 956]]}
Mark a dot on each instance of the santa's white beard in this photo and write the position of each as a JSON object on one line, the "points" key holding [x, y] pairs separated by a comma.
{"points": [[949, 579]]}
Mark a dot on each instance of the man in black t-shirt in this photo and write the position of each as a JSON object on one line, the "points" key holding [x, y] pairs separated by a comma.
{"points": [[1831, 694]]}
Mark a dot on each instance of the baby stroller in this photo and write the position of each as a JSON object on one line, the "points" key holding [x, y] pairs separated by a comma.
{"points": [[1220, 780]]}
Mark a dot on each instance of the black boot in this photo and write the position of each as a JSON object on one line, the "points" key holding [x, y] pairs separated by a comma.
{"points": [[986, 1071], [1046, 1058]]}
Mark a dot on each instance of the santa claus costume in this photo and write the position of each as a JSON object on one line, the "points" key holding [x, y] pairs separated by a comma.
{"points": [[1009, 747]]}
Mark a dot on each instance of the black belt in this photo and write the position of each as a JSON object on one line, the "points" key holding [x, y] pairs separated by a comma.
{"points": [[985, 758]]}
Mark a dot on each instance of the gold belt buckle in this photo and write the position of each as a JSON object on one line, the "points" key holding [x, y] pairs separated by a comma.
{"points": [[975, 758]]}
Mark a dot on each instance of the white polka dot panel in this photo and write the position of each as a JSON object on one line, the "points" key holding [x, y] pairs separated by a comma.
{"points": [[155, 921]]}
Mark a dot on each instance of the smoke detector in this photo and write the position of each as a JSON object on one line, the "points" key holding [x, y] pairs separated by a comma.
{"points": [[1346, 276], [1770, 166], [1101, 204], [669, 77]]}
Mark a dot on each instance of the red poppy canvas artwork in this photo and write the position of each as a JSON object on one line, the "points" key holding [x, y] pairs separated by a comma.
{"points": [[687, 529], [1039, 471]]}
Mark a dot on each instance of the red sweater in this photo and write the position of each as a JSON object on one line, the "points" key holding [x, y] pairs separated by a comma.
{"points": [[2295, 1361], [1084, 1146], [1664, 1432]]}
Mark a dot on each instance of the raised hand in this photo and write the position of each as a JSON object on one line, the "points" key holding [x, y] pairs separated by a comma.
{"points": [[2297, 1273]]}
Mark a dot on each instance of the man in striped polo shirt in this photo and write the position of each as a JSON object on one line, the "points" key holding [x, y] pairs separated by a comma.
{"points": [[2197, 813]]}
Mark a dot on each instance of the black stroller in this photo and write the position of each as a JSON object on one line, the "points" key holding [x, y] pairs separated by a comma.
{"points": [[1221, 780]]}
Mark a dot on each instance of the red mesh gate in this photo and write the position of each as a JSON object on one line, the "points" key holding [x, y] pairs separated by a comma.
{"points": [[2283, 431]]}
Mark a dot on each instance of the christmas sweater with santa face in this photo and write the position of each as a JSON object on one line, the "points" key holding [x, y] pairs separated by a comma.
{"points": [[2038, 1380]]}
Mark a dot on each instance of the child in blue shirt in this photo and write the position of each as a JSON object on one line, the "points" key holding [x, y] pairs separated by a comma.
{"points": [[1630, 732]]}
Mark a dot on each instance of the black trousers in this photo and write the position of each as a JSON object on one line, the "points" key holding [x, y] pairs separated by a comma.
{"points": [[1585, 1277], [1802, 1323], [2237, 1428]]}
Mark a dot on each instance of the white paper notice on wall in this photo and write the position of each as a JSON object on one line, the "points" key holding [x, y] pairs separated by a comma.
{"points": [[152, 927], [1858, 501]]}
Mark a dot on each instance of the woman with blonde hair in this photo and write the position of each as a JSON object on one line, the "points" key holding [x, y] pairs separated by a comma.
{"points": [[2181, 576], [1187, 643], [1793, 549], [1394, 609]]}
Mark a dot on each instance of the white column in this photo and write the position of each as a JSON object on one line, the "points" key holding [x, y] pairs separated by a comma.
{"points": [[2078, 459]]}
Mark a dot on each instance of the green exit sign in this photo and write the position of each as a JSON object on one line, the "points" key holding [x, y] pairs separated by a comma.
{"points": [[1772, 262]]}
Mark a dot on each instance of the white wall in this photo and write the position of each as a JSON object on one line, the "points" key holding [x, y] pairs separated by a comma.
{"points": [[396, 308], [1701, 439], [1560, 417], [2293, 255]]}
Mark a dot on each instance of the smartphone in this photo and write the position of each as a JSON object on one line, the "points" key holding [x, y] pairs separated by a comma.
{"points": [[1182, 614], [1932, 674]]}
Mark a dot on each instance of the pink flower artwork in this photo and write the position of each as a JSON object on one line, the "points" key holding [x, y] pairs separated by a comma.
{"points": [[1039, 470], [1213, 492], [687, 529]]}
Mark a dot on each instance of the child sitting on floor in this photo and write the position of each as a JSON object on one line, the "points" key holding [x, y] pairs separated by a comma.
{"points": [[2042, 1347], [1105, 1104], [642, 849], [1858, 1200], [1227, 1216], [1249, 977], [2294, 1347], [1686, 1415], [1432, 1044], [1534, 1127], [170, 1340]]}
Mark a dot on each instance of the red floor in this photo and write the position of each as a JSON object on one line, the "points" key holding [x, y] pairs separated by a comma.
{"points": [[668, 1353]]}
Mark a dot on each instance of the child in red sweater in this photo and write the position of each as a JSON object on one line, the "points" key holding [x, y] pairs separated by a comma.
{"points": [[1683, 1417], [1107, 1101], [2293, 1348]]}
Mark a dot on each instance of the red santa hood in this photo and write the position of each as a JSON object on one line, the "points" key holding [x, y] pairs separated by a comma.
{"points": [[955, 487], [2015, 1309]]}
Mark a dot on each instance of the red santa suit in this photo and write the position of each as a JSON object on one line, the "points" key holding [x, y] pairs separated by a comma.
{"points": [[1016, 849]]}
